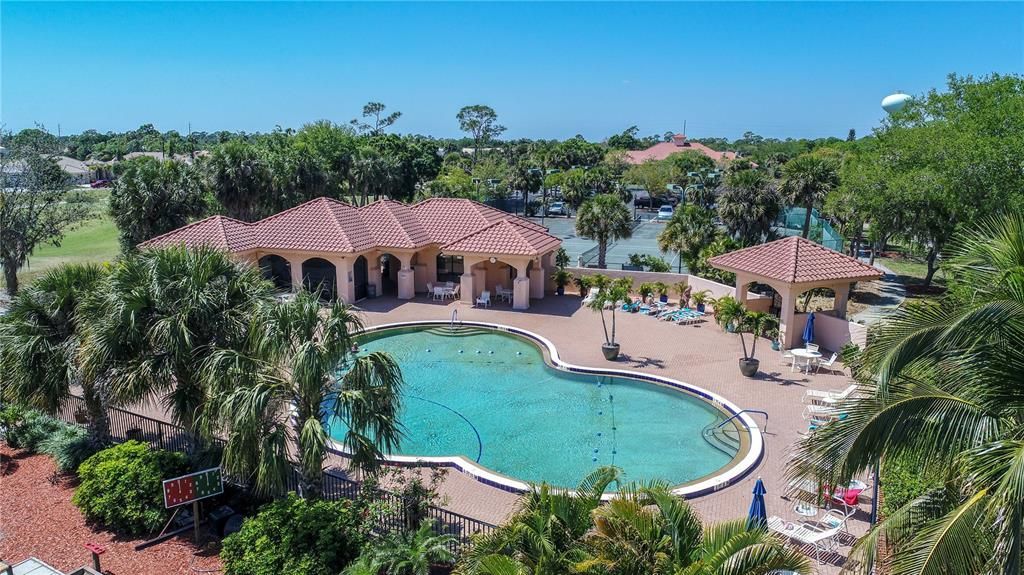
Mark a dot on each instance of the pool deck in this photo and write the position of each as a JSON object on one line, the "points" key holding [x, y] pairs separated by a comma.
{"points": [[702, 355]]}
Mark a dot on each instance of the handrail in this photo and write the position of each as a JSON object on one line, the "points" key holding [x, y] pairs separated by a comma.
{"points": [[455, 318], [741, 412]]}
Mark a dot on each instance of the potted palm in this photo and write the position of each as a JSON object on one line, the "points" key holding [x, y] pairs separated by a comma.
{"points": [[662, 290], [732, 316], [583, 284], [684, 290], [610, 291], [561, 279], [700, 298], [646, 290]]}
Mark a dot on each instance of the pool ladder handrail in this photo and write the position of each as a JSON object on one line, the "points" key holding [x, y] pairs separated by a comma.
{"points": [[741, 412], [455, 318]]}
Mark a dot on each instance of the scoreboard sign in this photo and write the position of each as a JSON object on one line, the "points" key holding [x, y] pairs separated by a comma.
{"points": [[193, 487]]}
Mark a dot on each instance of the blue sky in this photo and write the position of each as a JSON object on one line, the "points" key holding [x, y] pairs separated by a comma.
{"points": [[549, 70]]}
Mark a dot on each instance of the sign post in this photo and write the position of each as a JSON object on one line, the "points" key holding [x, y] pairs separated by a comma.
{"points": [[192, 488]]}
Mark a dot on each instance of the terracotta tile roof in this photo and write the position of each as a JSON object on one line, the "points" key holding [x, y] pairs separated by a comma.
{"points": [[678, 144], [322, 224], [508, 236], [795, 260], [394, 225], [328, 225], [215, 231]]}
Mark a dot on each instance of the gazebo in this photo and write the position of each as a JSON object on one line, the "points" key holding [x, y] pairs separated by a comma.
{"points": [[792, 266]]}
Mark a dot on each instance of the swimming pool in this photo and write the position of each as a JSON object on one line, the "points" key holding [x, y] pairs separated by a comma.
{"points": [[490, 402]]}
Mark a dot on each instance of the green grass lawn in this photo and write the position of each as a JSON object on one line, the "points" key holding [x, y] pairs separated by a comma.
{"points": [[94, 240]]}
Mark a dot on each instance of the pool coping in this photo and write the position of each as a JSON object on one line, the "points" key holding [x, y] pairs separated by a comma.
{"points": [[712, 484]]}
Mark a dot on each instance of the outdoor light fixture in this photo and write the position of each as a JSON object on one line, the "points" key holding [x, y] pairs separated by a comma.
{"points": [[493, 260]]}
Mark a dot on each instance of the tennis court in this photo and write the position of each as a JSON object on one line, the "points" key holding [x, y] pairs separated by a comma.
{"points": [[643, 241]]}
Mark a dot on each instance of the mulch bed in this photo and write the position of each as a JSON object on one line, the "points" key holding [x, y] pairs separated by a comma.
{"points": [[38, 519]]}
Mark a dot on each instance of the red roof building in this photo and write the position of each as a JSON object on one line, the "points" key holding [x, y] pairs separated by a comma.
{"points": [[678, 144], [355, 252]]}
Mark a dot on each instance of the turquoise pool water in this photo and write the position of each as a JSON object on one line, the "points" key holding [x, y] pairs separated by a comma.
{"points": [[490, 397]]}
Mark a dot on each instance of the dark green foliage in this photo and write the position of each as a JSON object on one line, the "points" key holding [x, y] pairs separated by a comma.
{"points": [[122, 486], [295, 536], [652, 263], [27, 428], [69, 446], [902, 481]]}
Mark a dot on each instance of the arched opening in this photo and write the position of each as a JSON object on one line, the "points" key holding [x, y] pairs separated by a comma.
{"points": [[320, 276], [767, 299], [389, 267], [360, 277], [278, 270], [495, 276], [816, 299]]}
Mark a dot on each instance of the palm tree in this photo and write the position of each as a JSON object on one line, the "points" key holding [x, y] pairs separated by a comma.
{"points": [[941, 389], [296, 375], [686, 233], [160, 314], [807, 179], [412, 553], [240, 179], [40, 338], [545, 535], [748, 206], [611, 291], [645, 530], [604, 218]]}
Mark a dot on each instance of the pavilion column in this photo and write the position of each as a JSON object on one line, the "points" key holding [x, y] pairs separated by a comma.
{"points": [[742, 281], [521, 288], [538, 279], [406, 278], [467, 281], [548, 263], [373, 276], [789, 336], [295, 263], [345, 286], [842, 298]]}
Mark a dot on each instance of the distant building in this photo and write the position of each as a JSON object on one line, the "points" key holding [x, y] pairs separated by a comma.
{"points": [[77, 170], [678, 144]]}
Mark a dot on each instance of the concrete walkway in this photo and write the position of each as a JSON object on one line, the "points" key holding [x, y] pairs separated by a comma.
{"points": [[893, 293]]}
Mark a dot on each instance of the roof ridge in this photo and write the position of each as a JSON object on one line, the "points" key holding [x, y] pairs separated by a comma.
{"points": [[192, 225], [321, 199]]}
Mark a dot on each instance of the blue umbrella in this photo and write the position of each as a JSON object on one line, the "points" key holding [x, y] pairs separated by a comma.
{"points": [[809, 329], [758, 515]]}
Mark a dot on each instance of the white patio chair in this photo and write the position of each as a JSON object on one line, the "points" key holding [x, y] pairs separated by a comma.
{"points": [[484, 299], [820, 414], [455, 291], [812, 346], [591, 296], [787, 355], [438, 293], [430, 287], [827, 397], [827, 364], [821, 538]]}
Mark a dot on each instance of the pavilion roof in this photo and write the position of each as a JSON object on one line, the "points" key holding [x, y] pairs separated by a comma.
{"points": [[795, 260]]}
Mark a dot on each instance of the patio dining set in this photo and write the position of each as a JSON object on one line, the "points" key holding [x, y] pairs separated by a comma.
{"points": [[445, 291]]}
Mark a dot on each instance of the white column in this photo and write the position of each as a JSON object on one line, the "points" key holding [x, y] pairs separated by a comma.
{"points": [[842, 297], [790, 336], [296, 268], [538, 278], [742, 282], [373, 277], [521, 289], [343, 282], [406, 278]]}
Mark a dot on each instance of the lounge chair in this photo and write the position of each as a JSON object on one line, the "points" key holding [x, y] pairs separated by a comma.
{"points": [[819, 414], [827, 397], [591, 296], [484, 299], [690, 317], [827, 364], [820, 537]]}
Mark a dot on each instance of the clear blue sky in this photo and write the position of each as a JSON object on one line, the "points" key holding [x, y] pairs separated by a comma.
{"points": [[549, 70]]}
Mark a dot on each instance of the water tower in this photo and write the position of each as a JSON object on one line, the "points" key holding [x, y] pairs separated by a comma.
{"points": [[895, 102]]}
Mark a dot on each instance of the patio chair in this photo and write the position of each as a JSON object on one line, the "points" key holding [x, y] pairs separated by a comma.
{"points": [[834, 518], [455, 291], [591, 296], [827, 397], [484, 299], [820, 414], [820, 537], [812, 346], [827, 364], [787, 355], [430, 288], [438, 293]]}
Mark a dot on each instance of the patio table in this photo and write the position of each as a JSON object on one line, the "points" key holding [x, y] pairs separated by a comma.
{"points": [[504, 294], [806, 354]]}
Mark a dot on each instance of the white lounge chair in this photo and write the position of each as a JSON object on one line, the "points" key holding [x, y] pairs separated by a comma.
{"points": [[827, 364], [484, 299], [818, 414], [591, 296], [828, 397], [820, 537]]}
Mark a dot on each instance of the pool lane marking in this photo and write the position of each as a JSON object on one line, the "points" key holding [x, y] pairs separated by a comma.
{"points": [[479, 442]]}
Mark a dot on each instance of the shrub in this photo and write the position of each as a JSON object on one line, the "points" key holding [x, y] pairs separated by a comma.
{"points": [[121, 487], [295, 536], [69, 446], [904, 480], [27, 428]]}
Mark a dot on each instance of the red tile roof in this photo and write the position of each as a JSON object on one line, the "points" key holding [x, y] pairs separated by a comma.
{"points": [[678, 144], [215, 231], [795, 260], [506, 237], [328, 225]]}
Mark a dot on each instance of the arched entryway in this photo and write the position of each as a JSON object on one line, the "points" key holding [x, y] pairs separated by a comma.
{"points": [[389, 266], [320, 276], [360, 277], [278, 270]]}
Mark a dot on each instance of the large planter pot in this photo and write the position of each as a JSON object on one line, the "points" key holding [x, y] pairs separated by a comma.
{"points": [[776, 346], [610, 350], [700, 307], [560, 290], [748, 367], [663, 299]]}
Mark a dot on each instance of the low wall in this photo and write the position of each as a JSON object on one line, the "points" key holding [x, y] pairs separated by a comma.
{"points": [[831, 332], [755, 302]]}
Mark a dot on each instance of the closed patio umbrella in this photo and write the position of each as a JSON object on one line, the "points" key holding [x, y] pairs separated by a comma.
{"points": [[757, 517], [809, 329]]}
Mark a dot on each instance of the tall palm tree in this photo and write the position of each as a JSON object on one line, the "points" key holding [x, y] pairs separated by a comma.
{"points": [[748, 205], [296, 375], [807, 179], [604, 218], [413, 552], [645, 530], [240, 179], [160, 314], [941, 388], [39, 345], [686, 233], [545, 535]]}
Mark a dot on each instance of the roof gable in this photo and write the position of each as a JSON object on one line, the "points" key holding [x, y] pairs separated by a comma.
{"points": [[215, 231], [394, 225], [505, 237], [322, 224], [795, 260]]}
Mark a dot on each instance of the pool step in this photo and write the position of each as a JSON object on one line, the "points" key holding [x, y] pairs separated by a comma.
{"points": [[725, 439], [457, 331]]}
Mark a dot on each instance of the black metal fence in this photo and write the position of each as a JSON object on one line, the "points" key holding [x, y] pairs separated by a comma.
{"points": [[126, 425]]}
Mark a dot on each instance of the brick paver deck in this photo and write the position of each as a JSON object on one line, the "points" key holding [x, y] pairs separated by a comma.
{"points": [[702, 355]]}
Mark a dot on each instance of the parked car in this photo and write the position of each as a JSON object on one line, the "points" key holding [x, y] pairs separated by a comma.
{"points": [[558, 209], [646, 201], [665, 212], [100, 184]]}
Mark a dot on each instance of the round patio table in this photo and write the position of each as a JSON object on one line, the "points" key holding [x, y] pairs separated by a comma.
{"points": [[807, 355]]}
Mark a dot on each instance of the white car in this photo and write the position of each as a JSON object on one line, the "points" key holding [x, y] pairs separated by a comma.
{"points": [[557, 209], [665, 212]]}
